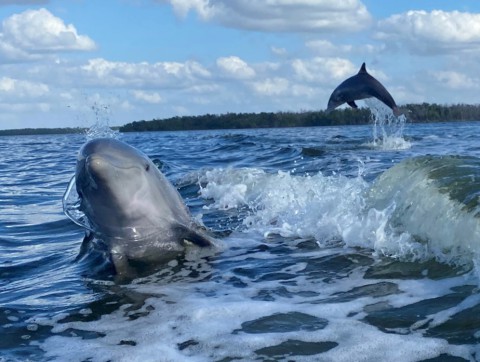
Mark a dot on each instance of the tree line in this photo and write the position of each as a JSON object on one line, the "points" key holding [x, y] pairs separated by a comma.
{"points": [[251, 120], [415, 113], [40, 131]]}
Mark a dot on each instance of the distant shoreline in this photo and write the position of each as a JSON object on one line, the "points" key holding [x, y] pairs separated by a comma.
{"points": [[40, 131], [45, 131], [415, 113]]}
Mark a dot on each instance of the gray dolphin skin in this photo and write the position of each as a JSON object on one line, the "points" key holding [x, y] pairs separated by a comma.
{"points": [[132, 206], [361, 86]]}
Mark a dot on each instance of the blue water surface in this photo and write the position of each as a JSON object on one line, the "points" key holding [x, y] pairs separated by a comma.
{"points": [[294, 279]]}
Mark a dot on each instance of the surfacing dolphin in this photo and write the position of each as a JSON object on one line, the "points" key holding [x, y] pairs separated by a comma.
{"points": [[361, 86], [132, 206]]}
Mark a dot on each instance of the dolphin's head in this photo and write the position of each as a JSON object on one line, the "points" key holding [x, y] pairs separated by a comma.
{"points": [[131, 206], [118, 187], [336, 99]]}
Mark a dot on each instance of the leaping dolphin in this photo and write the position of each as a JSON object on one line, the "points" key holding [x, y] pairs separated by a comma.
{"points": [[361, 86], [131, 206]]}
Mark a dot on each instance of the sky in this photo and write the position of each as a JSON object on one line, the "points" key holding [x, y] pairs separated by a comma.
{"points": [[68, 63]]}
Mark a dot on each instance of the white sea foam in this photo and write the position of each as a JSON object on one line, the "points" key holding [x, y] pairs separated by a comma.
{"points": [[330, 209], [203, 321], [196, 319]]}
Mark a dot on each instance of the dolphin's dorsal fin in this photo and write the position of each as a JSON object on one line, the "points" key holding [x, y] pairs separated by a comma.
{"points": [[363, 69]]}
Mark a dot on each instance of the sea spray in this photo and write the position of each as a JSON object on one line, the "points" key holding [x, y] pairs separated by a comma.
{"points": [[329, 209], [387, 128], [101, 127]]}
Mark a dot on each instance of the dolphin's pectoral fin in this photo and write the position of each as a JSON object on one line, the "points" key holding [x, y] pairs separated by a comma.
{"points": [[352, 104], [121, 264], [85, 246], [195, 237]]}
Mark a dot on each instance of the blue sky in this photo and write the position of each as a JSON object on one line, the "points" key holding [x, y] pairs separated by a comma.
{"points": [[64, 63]]}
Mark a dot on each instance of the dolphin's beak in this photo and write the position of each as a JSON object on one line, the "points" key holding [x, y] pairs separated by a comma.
{"points": [[332, 104], [397, 112]]}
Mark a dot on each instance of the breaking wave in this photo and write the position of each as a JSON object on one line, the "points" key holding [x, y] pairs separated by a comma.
{"points": [[414, 211]]}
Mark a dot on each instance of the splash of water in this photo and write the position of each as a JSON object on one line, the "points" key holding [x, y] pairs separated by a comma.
{"points": [[101, 127], [71, 200], [387, 128], [71, 206]]}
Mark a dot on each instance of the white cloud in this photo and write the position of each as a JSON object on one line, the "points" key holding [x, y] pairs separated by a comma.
{"points": [[34, 33], [11, 53], [280, 15], [162, 74], [181, 110], [18, 97], [430, 33], [299, 90], [41, 31], [455, 80], [25, 107], [235, 67], [182, 7], [147, 97], [278, 51], [22, 89], [271, 86], [325, 47], [205, 88], [320, 69]]}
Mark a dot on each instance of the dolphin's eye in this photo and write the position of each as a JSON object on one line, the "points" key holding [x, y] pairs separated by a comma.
{"points": [[147, 167]]}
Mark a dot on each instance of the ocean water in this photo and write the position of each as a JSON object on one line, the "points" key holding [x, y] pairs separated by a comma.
{"points": [[352, 243]]}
